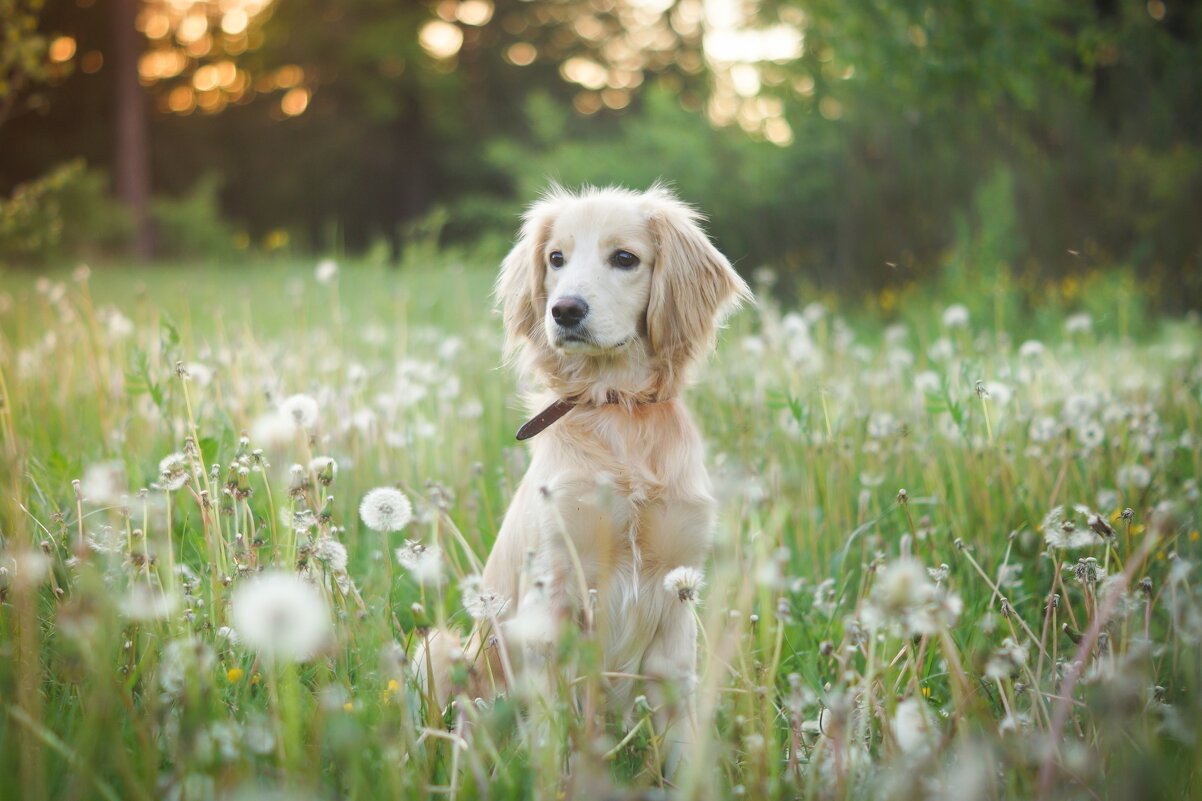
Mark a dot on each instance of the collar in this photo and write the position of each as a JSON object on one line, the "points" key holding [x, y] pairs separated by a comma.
{"points": [[544, 419]]}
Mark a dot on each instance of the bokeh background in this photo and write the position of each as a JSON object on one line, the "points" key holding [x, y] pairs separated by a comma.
{"points": [[857, 145]]}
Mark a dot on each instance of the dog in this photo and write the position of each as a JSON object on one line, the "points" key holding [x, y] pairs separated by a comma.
{"points": [[608, 297]]}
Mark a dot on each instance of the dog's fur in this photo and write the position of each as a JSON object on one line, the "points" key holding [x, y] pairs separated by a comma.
{"points": [[616, 494]]}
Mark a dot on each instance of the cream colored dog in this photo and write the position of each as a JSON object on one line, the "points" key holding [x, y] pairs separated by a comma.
{"points": [[608, 297]]}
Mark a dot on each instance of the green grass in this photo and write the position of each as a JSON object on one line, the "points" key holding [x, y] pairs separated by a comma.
{"points": [[811, 683]]}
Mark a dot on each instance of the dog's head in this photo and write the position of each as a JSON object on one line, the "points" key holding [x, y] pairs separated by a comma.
{"points": [[613, 285]]}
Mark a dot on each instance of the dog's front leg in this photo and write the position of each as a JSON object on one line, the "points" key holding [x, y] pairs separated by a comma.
{"points": [[670, 662]]}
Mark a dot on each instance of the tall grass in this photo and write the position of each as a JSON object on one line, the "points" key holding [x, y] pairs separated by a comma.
{"points": [[903, 600]]}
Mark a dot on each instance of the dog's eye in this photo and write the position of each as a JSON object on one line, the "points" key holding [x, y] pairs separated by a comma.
{"points": [[624, 260], [556, 259]]}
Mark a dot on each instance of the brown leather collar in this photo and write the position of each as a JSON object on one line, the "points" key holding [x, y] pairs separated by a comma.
{"points": [[543, 420]]}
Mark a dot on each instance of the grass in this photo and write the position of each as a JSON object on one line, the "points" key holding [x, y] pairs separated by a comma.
{"points": [[834, 665]]}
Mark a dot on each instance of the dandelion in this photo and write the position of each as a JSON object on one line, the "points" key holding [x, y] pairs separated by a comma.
{"points": [[1080, 323], [913, 727], [1031, 349], [104, 483], [534, 623], [332, 553], [1064, 533], [1043, 429], [424, 562], [904, 598], [184, 659], [1090, 434], [173, 472], [955, 316], [684, 582], [327, 271], [301, 409], [325, 468], [108, 540], [280, 616], [480, 602], [1134, 476], [385, 510], [143, 603], [1087, 571], [1008, 660]]}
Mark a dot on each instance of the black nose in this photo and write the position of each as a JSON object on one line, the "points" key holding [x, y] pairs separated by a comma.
{"points": [[568, 312]]}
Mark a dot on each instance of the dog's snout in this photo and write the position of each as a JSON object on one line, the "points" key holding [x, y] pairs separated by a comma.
{"points": [[569, 311]]}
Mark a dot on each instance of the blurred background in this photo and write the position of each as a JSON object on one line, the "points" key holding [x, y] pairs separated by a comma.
{"points": [[850, 145]]}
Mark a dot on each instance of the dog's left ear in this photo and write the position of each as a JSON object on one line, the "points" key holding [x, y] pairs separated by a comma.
{"points": [[693, 286]]}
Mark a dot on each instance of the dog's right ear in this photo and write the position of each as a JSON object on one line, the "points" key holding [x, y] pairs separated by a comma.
{"points": [[519, 289]]}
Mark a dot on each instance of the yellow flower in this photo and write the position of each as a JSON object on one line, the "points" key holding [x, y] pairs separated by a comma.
{"points": [[234, 675], [255, 679], [348, 707], [1116, 515], [926, 692], [1195, 535]]}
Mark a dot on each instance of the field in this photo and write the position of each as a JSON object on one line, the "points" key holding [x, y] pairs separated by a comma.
{"points": [[954, 559]]}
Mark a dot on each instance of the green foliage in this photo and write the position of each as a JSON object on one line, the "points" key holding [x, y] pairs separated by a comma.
{"points": [[191, 226], [66, 213], [22, 52]]}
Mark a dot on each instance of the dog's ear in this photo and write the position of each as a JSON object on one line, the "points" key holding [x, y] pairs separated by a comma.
{"points": [[693, 286], [519, 289]]}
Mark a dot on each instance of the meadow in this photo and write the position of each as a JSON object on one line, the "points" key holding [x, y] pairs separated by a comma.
{"points": [[954, 559]]}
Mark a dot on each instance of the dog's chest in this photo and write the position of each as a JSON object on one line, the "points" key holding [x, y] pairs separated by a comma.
{"points": [[625, 532]]}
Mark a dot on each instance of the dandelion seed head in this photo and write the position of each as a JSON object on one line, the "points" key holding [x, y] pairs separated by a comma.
{"points": [[386, 510], [143, 603], [332, 553], [327, 271], [280, 616], [480, 601], [424, 562], [173, 471], [301, 409], [685, 583], [904, 598], [189, 658], [955, 316], [104, 483]]}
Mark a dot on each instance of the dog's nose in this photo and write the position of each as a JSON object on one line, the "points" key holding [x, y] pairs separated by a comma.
{"points": [[569, 311]]}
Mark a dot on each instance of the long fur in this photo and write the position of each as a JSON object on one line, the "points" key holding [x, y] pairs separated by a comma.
{"points": [[617, 491]]}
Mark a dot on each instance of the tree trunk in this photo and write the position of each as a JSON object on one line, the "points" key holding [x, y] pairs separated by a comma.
{"points": [[131, 163]]}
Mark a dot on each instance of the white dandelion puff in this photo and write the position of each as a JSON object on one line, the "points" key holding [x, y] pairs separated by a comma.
{"points": [[332, 553], [1080, 323], [327, 271], [1006, 661], [184, 660], [1134, 476], [904, 599], [913, 727], [143, 603], [301, 409], [480, 601], [424, 562], [104, 483], [173, 472], [955, 316], [1065, 533], [1031, 349], [385, 509], [684, 582], [280, 616]]}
